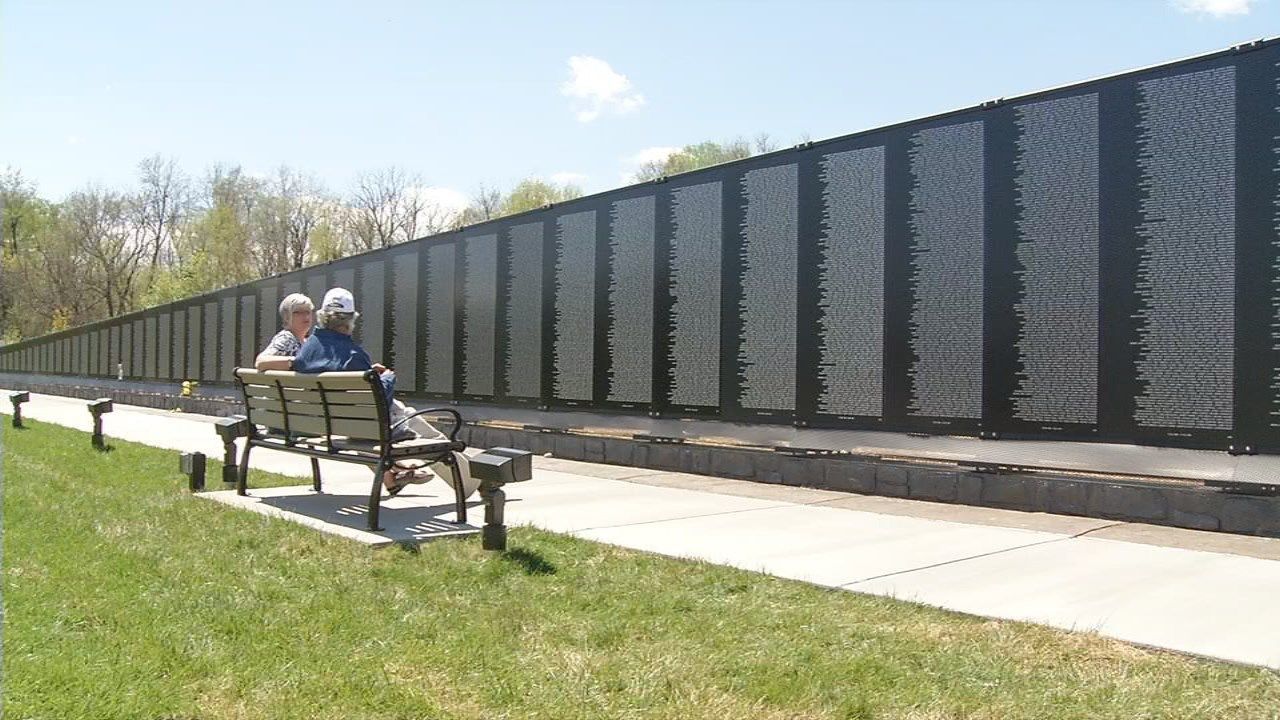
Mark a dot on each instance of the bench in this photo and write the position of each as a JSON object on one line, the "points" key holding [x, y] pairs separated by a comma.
{"points": [[342, 416]]}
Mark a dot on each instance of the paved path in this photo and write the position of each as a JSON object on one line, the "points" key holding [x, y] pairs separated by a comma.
{"points": [[1204, 593]]}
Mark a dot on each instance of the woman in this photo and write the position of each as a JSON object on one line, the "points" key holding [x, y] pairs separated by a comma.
{"points": [[297, 313]]}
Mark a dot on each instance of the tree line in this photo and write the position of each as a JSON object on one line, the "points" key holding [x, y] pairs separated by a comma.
{"points": [[102, 251]]}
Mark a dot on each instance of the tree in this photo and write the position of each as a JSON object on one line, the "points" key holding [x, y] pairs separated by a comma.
{"points": [[100, 222], [383, 208], [294, 206], [486, 204], [24, 217], [160, 206], [429, 217], [694, 157], [16, 198], [528, 194], [533, 193]]}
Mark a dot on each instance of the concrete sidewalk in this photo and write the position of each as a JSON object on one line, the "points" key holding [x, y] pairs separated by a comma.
{"points": [[1197, 592]]}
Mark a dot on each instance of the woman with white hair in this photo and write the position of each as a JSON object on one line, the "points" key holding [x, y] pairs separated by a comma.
{"points": [[297, 313]]}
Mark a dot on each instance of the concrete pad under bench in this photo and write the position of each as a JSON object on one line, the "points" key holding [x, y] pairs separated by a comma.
{"points": [[419, 513]]}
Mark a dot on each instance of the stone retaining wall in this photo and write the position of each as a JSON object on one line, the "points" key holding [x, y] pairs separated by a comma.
{"points": [[1180, 505]]}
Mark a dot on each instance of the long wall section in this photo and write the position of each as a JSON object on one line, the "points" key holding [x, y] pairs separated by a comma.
{"points": [[1096, 262]]}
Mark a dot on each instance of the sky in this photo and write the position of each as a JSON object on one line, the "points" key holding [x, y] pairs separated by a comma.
{"points": [[469, 93]]}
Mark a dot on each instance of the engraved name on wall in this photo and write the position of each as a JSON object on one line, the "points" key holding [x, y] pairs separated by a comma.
{"points": [[767, 348], [1056, 192], [851, 283], [697, 222], [522, 361], [438, 338], [1186, 266], [404, 319], [631, 300], [573, 356], [480, 297], [947, 229]]}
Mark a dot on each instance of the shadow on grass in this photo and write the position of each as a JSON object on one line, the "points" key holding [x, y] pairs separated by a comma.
{"points": [[531, 562]]}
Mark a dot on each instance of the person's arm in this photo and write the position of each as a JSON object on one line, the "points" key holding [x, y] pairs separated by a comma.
{"points": [[265, 361], [278, 354]]}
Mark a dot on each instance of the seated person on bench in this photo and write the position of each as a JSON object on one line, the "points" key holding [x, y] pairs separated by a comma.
{"points": [[330, 348], [298, 314]]}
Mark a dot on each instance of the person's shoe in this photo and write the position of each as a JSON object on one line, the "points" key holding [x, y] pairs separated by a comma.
{"points": [[399, 479], [394, 481]]}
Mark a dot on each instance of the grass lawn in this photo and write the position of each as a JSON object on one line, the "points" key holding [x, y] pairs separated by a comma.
{"points": [[127, 598]]}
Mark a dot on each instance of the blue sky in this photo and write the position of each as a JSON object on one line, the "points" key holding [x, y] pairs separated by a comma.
{"points": [[465, 93]]}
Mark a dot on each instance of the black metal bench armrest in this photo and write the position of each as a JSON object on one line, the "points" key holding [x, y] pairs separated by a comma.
{"points": [[457, 420]]}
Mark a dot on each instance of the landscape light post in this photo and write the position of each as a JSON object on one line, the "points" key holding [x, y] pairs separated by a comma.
{"points": [[17, 398]]}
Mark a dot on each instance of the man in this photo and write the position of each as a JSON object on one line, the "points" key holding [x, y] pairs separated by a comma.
{"points": [[297, 313], [330, 348]]}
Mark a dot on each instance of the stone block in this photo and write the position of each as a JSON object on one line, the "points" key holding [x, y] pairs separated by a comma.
{"points": [[801, 471], [849, 476], [540, 443], [665, 457], [639, 454], [1009, 491], [892, 480], [567, 446], [1066, 497], [1127, 502], [1194, 521], [699, 460], [927, 484], [968, 487], [1251, 515], [732, 464], [619, 452], [1199, 508], [593, 449], [766, 467]]}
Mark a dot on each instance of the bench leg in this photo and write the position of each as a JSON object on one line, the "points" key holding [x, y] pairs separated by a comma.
{"points": [[242, 472], [375, 495], [315, 474], [459, 500]]}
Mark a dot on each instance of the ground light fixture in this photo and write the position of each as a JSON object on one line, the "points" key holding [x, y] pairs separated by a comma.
{"points": [[17, 398], [494, 468], [230, 428], [98, 408], [192, 465]]}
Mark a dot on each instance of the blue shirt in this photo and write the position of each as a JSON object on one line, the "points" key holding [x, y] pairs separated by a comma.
{"points": [[331, 351]]}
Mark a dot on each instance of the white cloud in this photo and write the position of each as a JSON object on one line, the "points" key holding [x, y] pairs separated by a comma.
{"points": [[1215, 8], [73, 139], [443, 197], [596, 88], [568, 178], [652, 154]]}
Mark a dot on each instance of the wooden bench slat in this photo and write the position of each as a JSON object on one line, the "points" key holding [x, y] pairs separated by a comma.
{"points": [[334, 397], [368, 411], [311, 425], [330, 381]]}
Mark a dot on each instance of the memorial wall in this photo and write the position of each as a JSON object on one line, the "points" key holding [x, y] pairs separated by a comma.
{"points": [[1095, 262]]}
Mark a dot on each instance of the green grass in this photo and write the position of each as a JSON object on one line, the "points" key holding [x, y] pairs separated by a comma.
{"points": [[128, 598]]}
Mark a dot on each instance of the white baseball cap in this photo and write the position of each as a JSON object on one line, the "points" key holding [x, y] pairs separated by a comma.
{"points": [[338, 300]]}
